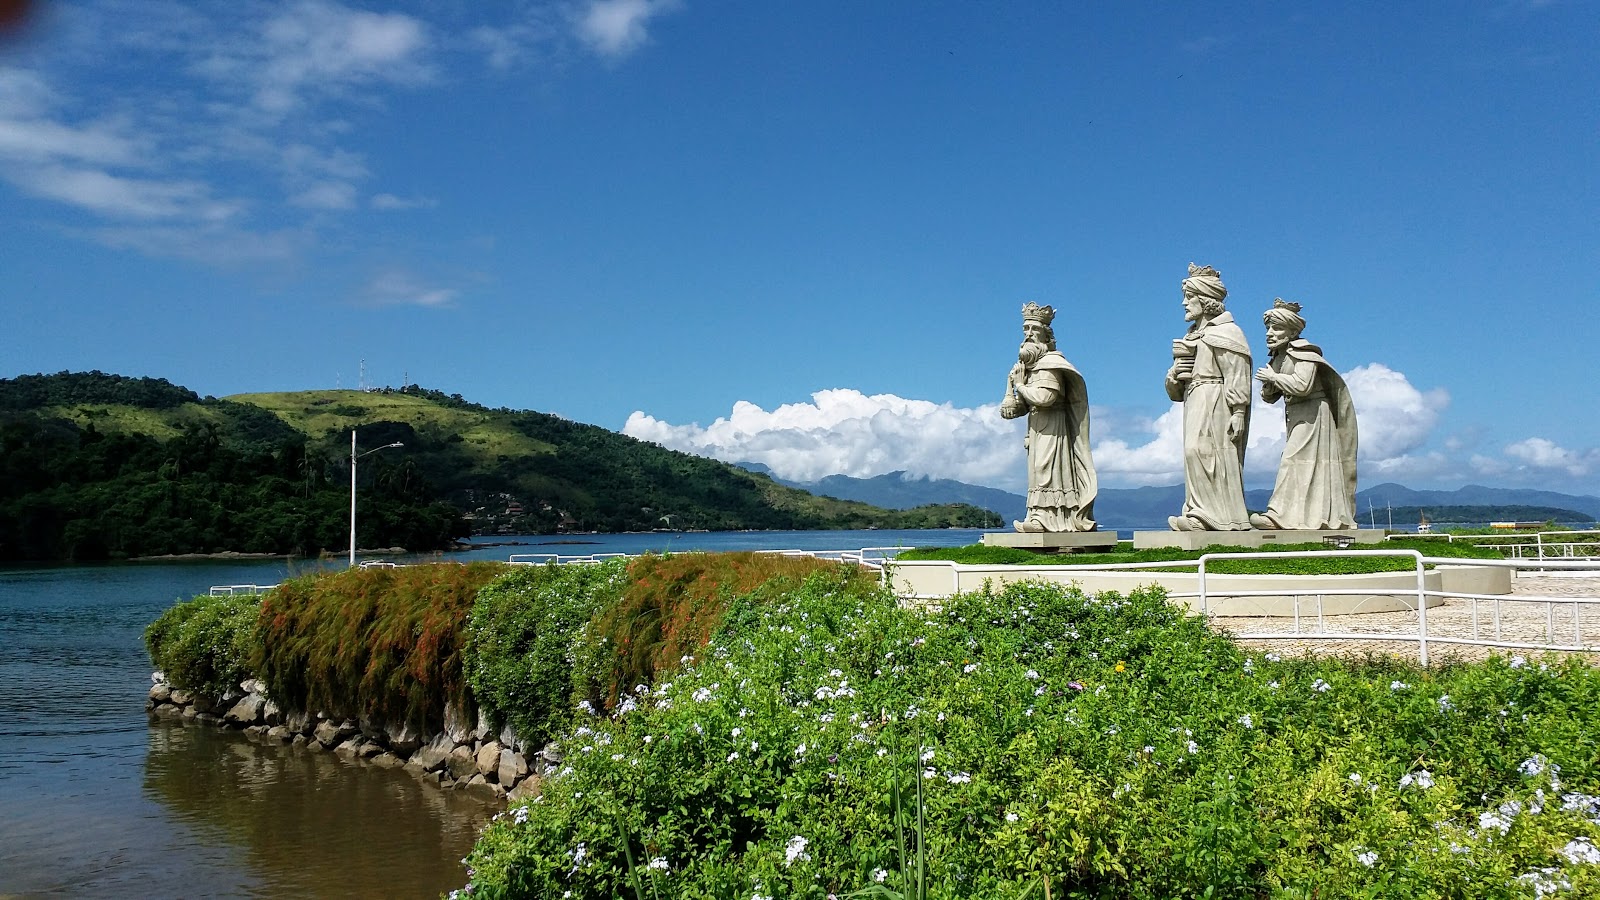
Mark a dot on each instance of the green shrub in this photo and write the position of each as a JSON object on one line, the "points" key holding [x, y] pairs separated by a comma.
{"points": [[382, 642], [204, 644], [982, 554], [519, 647], [670, 607], [1103, 747]]}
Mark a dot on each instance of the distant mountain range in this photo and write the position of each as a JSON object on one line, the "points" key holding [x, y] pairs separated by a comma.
{"points": [[1149, 507]]}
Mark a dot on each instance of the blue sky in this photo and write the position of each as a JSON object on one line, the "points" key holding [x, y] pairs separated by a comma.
{"points": [[801, 233]]}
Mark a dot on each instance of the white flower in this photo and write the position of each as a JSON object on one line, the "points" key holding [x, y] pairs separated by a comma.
{"points": [[882, 752], [1192, 747], [879, 875], [1249, 665], [927, 756], [1273, 657], [1368, 858], [1246, 721], [649, 737], [1011, 817], [930, 772], [701, 695], [1422, 778], [659, 863], [958, 777], [1398, 686], [586, 706], [1031, 675], [1533, 765], [795, 850], [800, 751], [1272, 685], [1355, 778], [738, 731], [1545, 881], [1581, 850], [1321, 686], [1444, 703], [1492, 820], [969, 668], [733, 756]]}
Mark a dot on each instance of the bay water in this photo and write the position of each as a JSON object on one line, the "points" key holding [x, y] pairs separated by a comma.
{"points": [[98, 800]]}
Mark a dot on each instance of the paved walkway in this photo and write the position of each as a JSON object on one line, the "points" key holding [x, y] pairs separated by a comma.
{"points": [[1528, 621]]}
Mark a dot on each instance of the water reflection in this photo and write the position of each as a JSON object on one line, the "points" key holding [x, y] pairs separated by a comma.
{"points": [[313, 824]]}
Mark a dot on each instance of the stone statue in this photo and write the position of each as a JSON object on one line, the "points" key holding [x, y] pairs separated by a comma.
{"points": [[1316, 486], [1210, 374], [1046, 388]]}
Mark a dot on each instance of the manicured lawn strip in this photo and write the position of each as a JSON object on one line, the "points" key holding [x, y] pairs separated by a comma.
{"points": [[981, 554], [1110, 747]]}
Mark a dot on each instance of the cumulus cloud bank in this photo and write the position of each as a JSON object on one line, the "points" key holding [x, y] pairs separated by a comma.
{"points": [[843, 431]]}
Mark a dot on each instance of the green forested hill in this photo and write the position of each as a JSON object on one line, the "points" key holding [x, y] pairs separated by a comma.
{"points": [[102, 466]]}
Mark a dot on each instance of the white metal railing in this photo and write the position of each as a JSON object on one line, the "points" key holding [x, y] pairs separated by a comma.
{"points": [[247, 590], [1583, 544], [1488, 611]]}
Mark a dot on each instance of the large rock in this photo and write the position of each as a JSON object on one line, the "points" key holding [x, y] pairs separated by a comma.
{"points": [[432, 755], [512, 767], [160, 693], [461, 764], [489, 760], [332, 733], [204, 703], [403, 739], [528, 787], [181, 697], [280, 733], [457, 725], [246, 712], [509, 738], [270, 714], [485, 730], [299, 721]]}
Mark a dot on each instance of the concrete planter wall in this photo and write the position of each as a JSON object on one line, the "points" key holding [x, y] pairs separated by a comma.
{"points": [[934, 579], [462, 756]]}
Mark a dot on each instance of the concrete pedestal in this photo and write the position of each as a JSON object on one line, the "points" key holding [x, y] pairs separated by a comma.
{"points": [[1257, 540], [1055, 542]]}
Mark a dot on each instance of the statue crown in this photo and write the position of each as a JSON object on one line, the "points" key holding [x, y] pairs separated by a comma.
{"points": [[1203, 270], [1036, 313], [1280, 303]]}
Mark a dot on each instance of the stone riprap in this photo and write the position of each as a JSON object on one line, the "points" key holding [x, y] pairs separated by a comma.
{"points": [[461, 756]]}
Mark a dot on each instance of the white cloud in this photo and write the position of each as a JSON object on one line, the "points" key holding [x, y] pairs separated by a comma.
{"points": [[1394, 417], [1541, 453], [118, 196], [394, 202], [844, 431], [326, 195], [400, 288], [316, 47], [616, 28]]}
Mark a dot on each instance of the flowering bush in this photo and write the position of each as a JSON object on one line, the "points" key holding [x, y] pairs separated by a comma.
{"points": [[204, 644], [833, 743]]}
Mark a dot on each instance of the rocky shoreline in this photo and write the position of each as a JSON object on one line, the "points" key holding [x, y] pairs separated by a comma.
{"points": [[462, 756]]}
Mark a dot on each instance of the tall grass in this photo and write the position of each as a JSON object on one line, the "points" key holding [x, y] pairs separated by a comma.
{"points": [[371, 642]]}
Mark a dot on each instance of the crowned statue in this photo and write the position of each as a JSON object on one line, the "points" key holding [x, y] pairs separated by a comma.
{"points": [[1050, 392], [1210, 376], [1316, 485]]}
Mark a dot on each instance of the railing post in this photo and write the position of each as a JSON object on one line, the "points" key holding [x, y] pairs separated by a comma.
{"points": [[1422, 610], [1205, 602]]}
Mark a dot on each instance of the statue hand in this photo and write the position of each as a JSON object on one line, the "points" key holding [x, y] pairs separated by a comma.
{"points": [[1235, 427], [1266, 375]]}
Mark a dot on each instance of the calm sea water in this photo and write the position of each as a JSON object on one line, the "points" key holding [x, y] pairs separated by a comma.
{"points": [[96, 801]]}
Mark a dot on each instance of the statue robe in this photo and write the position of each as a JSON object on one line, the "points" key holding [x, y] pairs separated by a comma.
{"points": [[1061, 478], [1316, 485], [1213, 466]]}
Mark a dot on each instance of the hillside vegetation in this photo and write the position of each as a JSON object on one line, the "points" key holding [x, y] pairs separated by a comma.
{"points": [[100, 466]]}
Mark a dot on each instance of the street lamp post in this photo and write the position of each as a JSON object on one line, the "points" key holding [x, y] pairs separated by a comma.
{"points": [[353, 457]]}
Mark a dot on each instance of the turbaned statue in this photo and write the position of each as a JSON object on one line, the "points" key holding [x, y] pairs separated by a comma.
{"points": [[1316, 486], [1050, 392], [1210, 375]]}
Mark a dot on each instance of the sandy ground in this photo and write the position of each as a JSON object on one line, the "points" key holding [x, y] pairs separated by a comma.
{"points": [[1519, 621]]}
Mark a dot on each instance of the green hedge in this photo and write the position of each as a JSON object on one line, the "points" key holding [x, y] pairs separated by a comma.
{"points": [[982, 554], [1105, 747], [205, 644]]}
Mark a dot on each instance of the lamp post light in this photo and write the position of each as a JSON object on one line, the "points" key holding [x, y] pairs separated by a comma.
{"points": [[353, 457]]}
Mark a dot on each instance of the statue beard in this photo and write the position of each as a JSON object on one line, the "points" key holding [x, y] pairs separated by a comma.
{"points": [[1031, 352]]}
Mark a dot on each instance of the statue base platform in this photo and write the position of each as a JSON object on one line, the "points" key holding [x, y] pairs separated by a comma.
{"points": [[1054, 541], [1257, 540]]}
